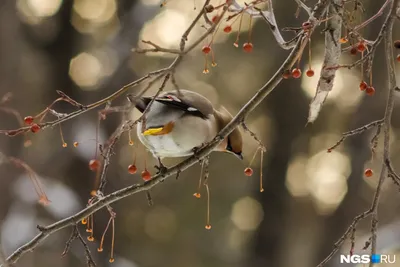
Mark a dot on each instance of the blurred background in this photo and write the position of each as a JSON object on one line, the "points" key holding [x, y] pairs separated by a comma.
{"points": [[83, 47]]}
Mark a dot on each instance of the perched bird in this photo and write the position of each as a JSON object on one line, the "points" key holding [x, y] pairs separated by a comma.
{"points": [[179, 122]]}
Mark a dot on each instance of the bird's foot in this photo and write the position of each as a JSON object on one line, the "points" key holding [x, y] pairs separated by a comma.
{"points": [[161, 169], [198, 148]]}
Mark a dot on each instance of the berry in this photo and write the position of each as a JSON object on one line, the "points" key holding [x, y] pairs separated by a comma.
{"points": [[310, 73], [361, 47], [132, 169], [368, 173], [76, 144], [363, 85], [146, 176], [248, 171], [248, 47], [35, 128], [100, 249], [90, 238], [94, 164], [28, 120], [343, 40], [209, 8], [296, 73], [397, 44], [208, 227], [111, 260], [235, 44], [64, 145], [228, 29], [206, 49], [286, 74], [306, 25], [215, 19], [329, 150], [398, 58], [197, 195], [370, 90], [353, 50]]}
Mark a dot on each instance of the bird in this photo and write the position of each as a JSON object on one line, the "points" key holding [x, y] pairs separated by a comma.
{"points": [[179, 122]]}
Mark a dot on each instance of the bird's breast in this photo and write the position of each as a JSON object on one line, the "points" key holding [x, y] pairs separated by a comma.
{"points": [[188, 132]]}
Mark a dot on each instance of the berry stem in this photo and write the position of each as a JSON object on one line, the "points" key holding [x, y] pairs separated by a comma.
{"points": [[261, 171], [254, 156], [250, 29], [309, 54], [62, 137], [208, 205], [112, 240], [240, 26], [104, 234]]}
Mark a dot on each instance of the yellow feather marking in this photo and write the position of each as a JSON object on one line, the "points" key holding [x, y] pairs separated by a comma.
{"points": [[160, 131]]}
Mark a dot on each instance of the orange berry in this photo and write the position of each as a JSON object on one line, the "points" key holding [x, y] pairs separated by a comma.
{"points": [[368, 173], [146, 176], [197, 195], [64, 145], [248, 47], [370, 90], [35, 128], [132, 169], [206, 49], [310, 73], [111, 260], [208, 227], [296, 73], [84, 221], [398, 58], [28, 120], [248, 171], [343, 40], [363, 85], [90, 238], [76, 144], [94, 164], [228, 29], [100, 249]]}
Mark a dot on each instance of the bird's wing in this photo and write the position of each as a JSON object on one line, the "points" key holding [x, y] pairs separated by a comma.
{"points": [[189, 102]]}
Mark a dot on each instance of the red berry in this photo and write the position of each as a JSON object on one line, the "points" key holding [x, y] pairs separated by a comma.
{"points": [[215, 19], [296, 73], [28, 120], [306, 25], [248, 171], [94, 164], [228, 29], [397, 44], [398, 58], [146, 176], [361, 47], [363, 85], [286, 74], [248, 47], [370, 90], [35, 128], [206, 49], [368, 173], [310, 73], [132, 169], [353, 50]]}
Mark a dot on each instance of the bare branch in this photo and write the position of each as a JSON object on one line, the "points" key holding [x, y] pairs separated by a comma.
{"points": [[332, 55]]}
